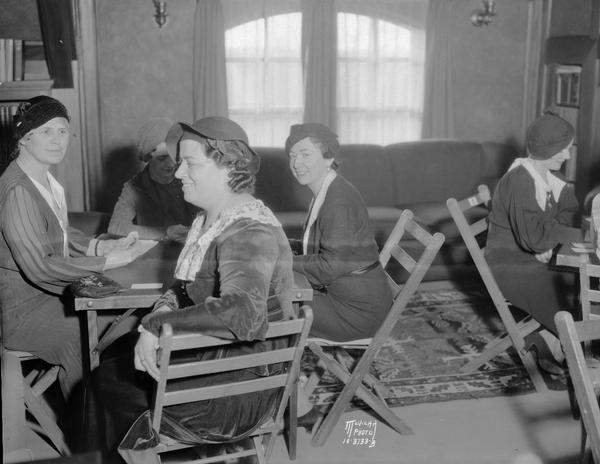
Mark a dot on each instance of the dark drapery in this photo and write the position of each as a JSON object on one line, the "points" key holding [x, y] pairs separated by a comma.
{"points": [[56, 22]]}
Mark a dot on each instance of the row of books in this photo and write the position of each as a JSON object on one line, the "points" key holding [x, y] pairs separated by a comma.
{"points": [[11, 60], [22, 60]]}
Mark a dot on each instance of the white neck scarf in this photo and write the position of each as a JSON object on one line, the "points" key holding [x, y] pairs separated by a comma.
{"points": [[197, 243], [315, 207], [543, 187]]}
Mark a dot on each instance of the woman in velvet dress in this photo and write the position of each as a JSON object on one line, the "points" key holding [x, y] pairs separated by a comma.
{"points": [[40, 254], [532, 212], [338, 254], [236, 256]]}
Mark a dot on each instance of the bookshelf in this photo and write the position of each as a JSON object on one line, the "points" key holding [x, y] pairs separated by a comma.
{"points": [[571, 82]]}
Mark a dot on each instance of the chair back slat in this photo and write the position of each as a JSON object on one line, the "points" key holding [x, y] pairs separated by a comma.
{"points": [[479, 227], [232, 363], [193, 340], [223, 390], [571, 335], [403, 258]]}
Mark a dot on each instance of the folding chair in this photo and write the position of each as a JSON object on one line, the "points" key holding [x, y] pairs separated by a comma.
{"points": [[25, 394], [584, 376], [263, 438], [515, 331], [358, 381]]}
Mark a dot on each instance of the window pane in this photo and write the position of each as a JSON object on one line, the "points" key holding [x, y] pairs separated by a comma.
{"points": [[284, 35], [264, 77], [246, 40]]}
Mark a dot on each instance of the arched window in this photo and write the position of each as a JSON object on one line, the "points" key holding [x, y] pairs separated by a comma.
{"points": [[264, 77], [379, 80]]}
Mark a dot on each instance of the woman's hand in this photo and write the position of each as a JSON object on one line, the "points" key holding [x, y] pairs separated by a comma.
{"points": [[105, 247], [177, 233], [145, 358], [545, 256]]}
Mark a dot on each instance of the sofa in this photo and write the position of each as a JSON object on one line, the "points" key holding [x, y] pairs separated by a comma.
{"points": [[418, 175]]}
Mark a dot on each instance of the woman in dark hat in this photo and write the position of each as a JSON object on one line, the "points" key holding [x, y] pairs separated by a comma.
{"points": [[236, 256], [533, 210], [338, 253], [40, 255], [151, 203]]}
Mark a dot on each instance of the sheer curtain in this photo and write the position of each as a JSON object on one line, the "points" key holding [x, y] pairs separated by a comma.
{"points": [[210, 81], [381, 56], [264, 67], [438, 115]]}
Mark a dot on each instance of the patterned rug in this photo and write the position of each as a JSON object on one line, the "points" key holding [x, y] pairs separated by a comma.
{"points": [[439, 331]]}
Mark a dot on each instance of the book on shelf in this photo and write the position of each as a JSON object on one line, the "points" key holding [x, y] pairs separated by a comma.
{"points": [[22, 60]]}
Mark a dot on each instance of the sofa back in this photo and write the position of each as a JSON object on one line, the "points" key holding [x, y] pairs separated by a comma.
{"points": [[394, 175]]}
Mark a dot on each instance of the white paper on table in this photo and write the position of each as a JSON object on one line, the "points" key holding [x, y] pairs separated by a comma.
{"points": [[124, 257], [147, 286]]}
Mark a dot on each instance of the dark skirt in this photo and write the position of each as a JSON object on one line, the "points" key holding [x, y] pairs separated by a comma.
{"points": [[536, 288]]}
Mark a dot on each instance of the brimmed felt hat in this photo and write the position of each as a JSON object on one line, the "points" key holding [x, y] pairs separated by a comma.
{"points": [[36, 112], [548, 135], [152, 134], [215, 128]]}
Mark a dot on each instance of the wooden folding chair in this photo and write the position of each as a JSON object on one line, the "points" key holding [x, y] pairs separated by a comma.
{"points": [[585, 376], [263, 438], [515, 331], [358, 381], [22, 394]]}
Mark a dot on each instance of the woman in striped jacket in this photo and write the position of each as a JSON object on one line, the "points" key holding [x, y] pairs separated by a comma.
{"points": [[40, 255]]}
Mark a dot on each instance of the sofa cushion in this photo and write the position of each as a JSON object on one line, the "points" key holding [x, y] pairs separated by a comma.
{"points": [[369, 169], [275, 184], [495, 161], [434, 170]]}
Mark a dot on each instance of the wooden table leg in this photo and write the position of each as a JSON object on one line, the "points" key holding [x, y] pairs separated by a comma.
{"points": [[92, 339]]}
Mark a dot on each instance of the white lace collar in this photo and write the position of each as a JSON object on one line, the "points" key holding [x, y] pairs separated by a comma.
{"points": [[197, 243]]}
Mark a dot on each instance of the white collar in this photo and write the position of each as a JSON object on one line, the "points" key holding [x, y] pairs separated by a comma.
{"points": [[542, 186]]}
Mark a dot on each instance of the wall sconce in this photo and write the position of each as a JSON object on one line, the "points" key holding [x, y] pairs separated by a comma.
{"points": [[485, 16], [160, 12]]}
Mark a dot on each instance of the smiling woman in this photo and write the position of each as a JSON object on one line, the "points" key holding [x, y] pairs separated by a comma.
{"points": [[233, 276]]}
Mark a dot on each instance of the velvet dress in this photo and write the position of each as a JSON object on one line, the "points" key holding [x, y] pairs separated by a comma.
{"points": [[352, 295], [245, 280], [519, 229]]}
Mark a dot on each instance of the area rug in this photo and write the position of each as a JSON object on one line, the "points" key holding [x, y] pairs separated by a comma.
{"points": [[439, 331]]}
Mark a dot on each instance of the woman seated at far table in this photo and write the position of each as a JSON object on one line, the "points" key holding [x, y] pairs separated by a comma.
{"points": [[236, 256], [151, 203], [533, 211], [338, 254]]}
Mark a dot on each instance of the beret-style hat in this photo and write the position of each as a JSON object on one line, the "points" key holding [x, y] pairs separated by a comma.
{"points": [[36, 112], [548, 135], [152, 133], [313, 129], [218, 129]]}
